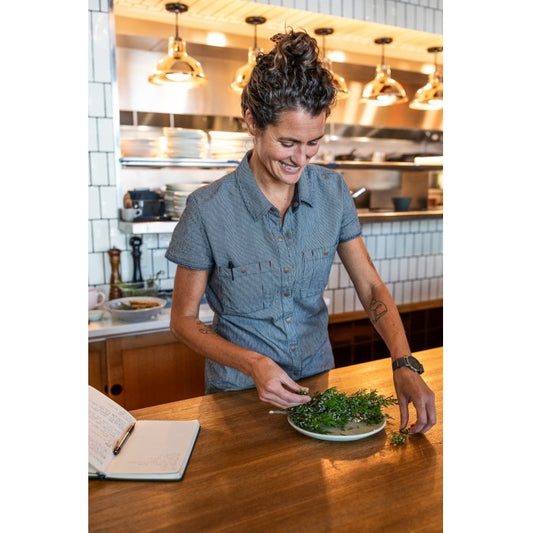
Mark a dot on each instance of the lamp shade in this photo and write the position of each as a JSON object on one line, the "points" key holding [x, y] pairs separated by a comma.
{"points": [[383, 90], [178, 67], [242, 75], [430, 97], [338, 81]]}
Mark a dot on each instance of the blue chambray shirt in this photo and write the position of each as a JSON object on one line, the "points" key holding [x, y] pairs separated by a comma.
{"points": [[266, 282]]}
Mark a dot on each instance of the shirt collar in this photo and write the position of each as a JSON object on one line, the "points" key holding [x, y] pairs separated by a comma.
{"points": [[257, 203]]}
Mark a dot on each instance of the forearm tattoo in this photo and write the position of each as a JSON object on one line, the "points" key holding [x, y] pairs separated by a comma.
{"points": [[377, 309], [202, 328]]}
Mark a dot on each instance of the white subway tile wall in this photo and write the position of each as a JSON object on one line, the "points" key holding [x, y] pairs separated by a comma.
{"points": [[412, 272], [408, 255]]}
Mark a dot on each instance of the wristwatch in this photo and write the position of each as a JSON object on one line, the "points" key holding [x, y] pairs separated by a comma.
{"points": [[410, 362]]}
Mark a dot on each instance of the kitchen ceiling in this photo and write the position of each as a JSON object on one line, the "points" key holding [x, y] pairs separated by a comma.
{"points": [[149, 20]]}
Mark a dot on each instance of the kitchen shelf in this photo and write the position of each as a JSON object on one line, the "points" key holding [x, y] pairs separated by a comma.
{"points": [[142, 228], [386, 165], [365, 215], [151, 162]]}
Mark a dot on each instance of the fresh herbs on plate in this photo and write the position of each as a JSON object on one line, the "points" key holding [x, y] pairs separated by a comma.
{"points": [[336, 409]]}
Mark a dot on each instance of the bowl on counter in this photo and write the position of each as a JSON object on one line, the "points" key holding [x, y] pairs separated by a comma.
{"points": [[135, 309], [401, 203]]}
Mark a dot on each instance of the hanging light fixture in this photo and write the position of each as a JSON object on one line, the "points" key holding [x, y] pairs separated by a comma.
{"points": [[338, 81], [242, 76], [383, 90], [430, 96], [178, 66]]}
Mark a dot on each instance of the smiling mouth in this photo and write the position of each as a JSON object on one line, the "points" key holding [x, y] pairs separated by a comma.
{"points": [[290, 168]]}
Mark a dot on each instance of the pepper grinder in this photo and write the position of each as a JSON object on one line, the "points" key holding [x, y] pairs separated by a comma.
{"points": [[135, 243], [114, 290]]}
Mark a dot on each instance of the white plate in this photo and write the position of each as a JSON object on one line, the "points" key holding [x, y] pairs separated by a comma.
{"points": [[352, 431], [135, 315]]}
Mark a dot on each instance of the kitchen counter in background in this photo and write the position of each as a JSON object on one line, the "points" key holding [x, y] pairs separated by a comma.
{"points": [[108, 327], [365, 215]]}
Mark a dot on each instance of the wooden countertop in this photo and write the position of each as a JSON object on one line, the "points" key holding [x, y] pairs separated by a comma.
{"points": [[250, 471]]}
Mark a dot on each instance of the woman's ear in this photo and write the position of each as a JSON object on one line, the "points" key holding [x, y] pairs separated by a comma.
{"points": [[250, 122]]}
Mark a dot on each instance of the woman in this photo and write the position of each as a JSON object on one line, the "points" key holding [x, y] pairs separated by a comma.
{"points": [[260, 243]]}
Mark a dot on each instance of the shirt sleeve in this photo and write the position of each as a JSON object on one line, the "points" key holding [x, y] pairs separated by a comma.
{"points": [[189, 245], [351, 227]]}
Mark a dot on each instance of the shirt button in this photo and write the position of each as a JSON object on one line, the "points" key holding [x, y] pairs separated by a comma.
{"points": [[326, 252], [286, 270], [288, 234], [288, 320], [280, 238], [295, 204], [243, 270], [293, 348], [286, 293]]}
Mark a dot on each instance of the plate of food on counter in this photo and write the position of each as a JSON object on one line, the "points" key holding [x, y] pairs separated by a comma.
{"points": [[135, 309], [338, 416]]}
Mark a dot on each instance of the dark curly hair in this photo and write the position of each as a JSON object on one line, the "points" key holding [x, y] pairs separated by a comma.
{"points": [[289, 77]]}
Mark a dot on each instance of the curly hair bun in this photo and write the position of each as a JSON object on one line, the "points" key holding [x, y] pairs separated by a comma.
{"points": [[289, 77]]}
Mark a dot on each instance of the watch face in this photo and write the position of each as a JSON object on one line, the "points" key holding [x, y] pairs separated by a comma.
{"points": [[415, 364]]}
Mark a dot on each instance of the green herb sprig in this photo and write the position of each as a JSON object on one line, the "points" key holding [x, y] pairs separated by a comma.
{"points": [[399, 437], [336, 409]]}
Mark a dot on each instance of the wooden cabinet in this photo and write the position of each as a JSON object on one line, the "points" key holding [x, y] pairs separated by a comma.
{"points": [[97, 367], [145, 370], [354, 339]]}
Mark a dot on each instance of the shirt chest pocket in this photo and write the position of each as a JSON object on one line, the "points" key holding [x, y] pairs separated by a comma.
{"points": [[316, 267], [245, 288]]}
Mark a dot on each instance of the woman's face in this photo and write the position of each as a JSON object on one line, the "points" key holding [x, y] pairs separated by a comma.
{"points": [[281, 152]]}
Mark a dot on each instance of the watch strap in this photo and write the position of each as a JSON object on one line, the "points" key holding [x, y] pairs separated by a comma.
{"points": [[405, 361]]}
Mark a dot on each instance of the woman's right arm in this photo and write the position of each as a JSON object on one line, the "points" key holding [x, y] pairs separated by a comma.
{"points": [[273, 384]]}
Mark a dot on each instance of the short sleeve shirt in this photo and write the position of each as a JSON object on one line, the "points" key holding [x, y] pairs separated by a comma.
{"points": [[266, 281]]}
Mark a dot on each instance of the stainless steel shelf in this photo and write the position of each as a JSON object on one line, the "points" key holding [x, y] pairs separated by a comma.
{"points": [[149, 162], [387, 165], [152, 162]]}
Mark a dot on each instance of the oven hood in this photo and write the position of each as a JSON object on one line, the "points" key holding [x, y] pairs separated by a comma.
{"points": [[137, 55]]}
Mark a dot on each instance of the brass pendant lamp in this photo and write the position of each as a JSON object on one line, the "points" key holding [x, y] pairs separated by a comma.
{"points": [[242, 76], [338, 81], [178, 67], [383, 90], [430, 97]]}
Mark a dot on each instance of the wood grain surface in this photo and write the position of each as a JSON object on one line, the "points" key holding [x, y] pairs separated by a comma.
{"points": [[250, 471]]}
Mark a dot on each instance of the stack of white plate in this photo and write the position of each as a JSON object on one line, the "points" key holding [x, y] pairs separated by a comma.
{"points": [[141, 141], [140, 147], [183, 142], [176, 197], [229, 145]]}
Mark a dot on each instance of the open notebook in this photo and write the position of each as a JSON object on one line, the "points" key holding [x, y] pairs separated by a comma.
{"points": [[121, 447]]}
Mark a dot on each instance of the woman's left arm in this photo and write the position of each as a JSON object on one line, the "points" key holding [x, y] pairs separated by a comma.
{"points": [[384, 315]]}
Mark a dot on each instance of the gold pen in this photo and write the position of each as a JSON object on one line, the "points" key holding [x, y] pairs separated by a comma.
{"points": [[120, 442]]}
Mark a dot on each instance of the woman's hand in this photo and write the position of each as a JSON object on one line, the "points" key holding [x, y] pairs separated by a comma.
{"points": [[274, 386], [410, 387]]}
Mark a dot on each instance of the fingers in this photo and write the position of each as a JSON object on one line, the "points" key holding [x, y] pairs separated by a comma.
{"points": [[426, 416], [284, 393], [411, 387]]}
